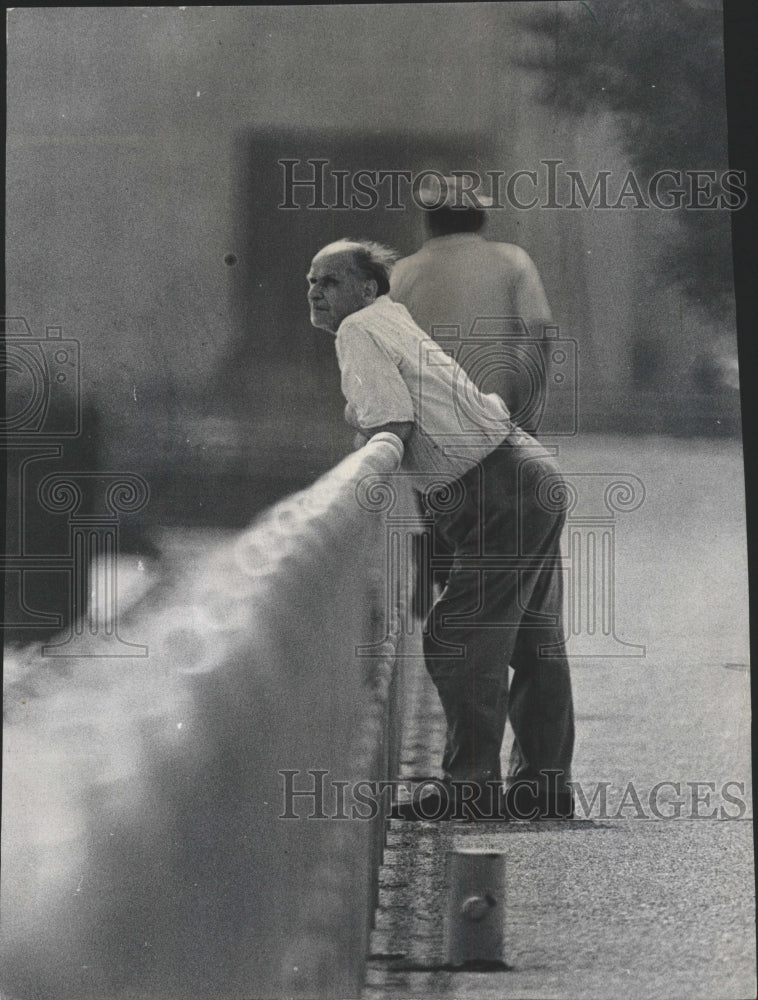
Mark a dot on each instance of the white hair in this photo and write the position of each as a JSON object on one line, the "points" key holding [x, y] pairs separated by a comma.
{"points": [[373, 260]]}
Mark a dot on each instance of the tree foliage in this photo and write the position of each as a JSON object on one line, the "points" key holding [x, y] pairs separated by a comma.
{"points": [[659, 68]]}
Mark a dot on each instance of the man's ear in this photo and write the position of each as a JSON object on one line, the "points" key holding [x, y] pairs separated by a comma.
{"points": [[370, 289]]}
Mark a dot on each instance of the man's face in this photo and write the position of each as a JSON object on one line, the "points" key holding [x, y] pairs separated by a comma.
{"points": [[336, 290]]}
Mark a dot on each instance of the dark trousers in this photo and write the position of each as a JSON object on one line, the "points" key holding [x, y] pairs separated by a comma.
{"points": [[501, 606]]}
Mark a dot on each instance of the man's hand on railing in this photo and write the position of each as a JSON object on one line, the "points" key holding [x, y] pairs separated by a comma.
{"points": [[351, 417], [400, 428]]}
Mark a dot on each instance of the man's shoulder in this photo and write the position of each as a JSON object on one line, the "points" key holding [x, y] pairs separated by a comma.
{"points": [[509, 253], [408, 261], [406, 267], [381, 315], [469, 246], [361, 320]]}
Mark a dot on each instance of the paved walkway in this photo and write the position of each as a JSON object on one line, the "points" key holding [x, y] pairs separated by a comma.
{"points": [[595, 908], [612, 904]]}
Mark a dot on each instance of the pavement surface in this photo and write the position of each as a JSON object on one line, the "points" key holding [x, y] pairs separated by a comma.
{"points": [[619, 902]]}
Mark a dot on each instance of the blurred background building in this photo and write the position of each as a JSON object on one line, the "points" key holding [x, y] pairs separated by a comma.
{"points": [[144, 218]]}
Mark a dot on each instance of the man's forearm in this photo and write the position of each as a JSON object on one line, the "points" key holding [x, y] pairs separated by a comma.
{"points": [[401, 428], [351, 418]]}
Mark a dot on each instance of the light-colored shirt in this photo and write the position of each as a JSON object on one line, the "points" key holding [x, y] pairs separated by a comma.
{"points": [[454, 280], [393, 372]]}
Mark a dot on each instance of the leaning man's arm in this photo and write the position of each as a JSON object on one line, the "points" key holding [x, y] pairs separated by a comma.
{"points": [[401, 428], [372, 386]]}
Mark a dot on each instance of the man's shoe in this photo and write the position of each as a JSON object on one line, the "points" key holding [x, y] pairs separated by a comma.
{"points": [[434, 805], [521, 802], [461, 800], [560, 806]]}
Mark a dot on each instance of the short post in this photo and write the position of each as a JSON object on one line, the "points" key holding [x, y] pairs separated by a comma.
{"points": [[475, 919]]}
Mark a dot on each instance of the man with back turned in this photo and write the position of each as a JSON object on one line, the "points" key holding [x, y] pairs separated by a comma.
{"points": [[458, 278]]}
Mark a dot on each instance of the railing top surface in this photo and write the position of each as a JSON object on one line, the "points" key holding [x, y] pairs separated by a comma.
{"points": [[300, 512], [246, 575]]}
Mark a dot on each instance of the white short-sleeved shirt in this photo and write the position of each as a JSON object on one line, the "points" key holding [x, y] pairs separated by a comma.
{"points": [[393, 372]]}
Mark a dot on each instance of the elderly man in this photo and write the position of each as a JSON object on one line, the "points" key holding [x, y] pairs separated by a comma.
{"points": [[502, 602]]}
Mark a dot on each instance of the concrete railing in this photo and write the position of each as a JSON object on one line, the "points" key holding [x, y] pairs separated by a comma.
{"points": [[145, 853]]}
